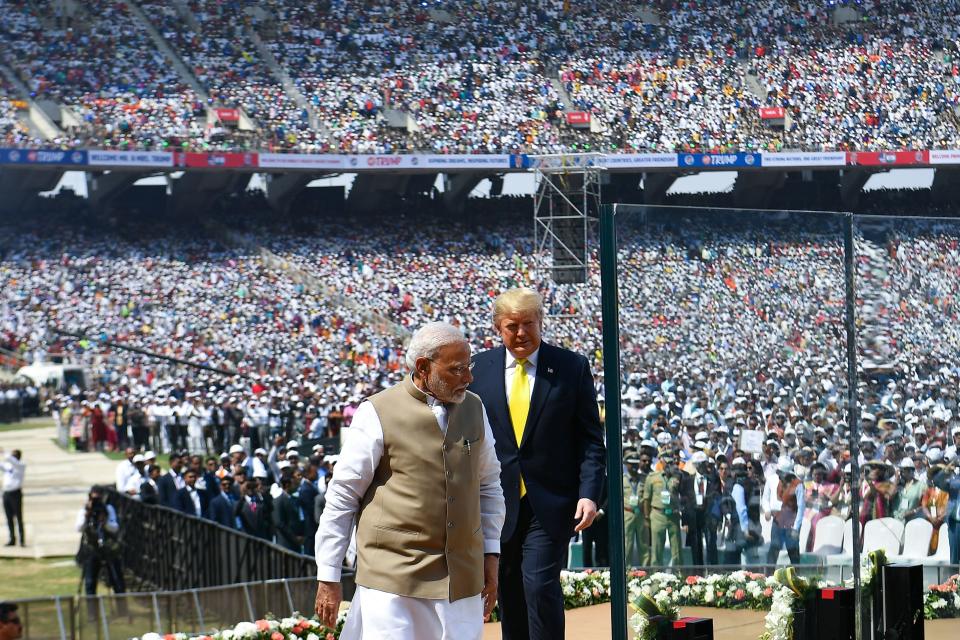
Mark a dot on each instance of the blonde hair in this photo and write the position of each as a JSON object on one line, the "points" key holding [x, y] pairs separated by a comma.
{"points": [[519, 300]]}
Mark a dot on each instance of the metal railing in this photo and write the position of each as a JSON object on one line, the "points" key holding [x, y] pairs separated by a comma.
{"points": [[192, 611], [165, 549]]}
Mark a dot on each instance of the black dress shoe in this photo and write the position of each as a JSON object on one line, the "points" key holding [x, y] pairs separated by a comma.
{"points": [[10, 544]]}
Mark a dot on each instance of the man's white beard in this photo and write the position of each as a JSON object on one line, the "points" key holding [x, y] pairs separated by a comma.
{"points": [[444, 393]]}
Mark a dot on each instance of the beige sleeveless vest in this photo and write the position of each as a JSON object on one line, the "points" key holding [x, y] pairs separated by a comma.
{"points": [[418, 530]]}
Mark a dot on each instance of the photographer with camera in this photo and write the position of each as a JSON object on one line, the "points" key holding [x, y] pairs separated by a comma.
{"points": [[100, 547]]}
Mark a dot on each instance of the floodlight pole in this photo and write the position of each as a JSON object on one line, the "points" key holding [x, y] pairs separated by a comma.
{"points": [[610, 305], [853, 414]]}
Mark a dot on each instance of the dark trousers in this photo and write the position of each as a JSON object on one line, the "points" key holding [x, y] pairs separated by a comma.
{"points": [[13, 510], [953, 532], [596, 544], [91, 575], [531, 601], [702, 529], [781, 537]]}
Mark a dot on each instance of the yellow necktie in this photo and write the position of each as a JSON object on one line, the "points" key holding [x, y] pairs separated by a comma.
{"points": [[520, 405]]}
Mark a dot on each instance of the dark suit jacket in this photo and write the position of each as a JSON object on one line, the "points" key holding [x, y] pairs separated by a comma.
{"points": [[185, 503], [286, 522], [255, 523], [149, 495], [307, 496], [221, 511], [168, 490], [562, 456]]}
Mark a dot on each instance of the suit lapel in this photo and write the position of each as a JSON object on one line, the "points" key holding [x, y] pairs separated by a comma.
{"points": [[499, 411], [541, 390]]}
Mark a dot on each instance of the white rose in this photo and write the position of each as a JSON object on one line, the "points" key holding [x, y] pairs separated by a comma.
{"points": [[313, 636], [245, 630], [151, 636]]}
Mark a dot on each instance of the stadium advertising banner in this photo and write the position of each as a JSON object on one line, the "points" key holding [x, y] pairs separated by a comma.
{"points": [[801, 159], [772, 113], [189, 159], [640, 160], [42, 156], [130, 158], [437, 161], [718, 160], [888, 158], [945, 156], [301, 161]]}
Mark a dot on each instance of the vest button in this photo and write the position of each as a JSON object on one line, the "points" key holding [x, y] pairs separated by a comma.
{"points": [[449, 473], [446, 447], [449, 498], [450, 525]]}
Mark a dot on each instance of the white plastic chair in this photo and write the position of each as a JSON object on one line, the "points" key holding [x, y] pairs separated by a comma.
{"points": [[878, 534], [829, 538], [916, 541], [804, 534], [894, 525], [846, 555]]}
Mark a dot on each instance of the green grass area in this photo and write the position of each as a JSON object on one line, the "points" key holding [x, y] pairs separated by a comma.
{"points": [[30, 423], [29, 578]]}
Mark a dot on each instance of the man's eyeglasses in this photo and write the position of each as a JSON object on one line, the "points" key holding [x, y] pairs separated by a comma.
{"points": [[459, 370]]}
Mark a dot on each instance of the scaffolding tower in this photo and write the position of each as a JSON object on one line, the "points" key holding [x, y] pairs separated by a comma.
{"points": [[566, 207]]}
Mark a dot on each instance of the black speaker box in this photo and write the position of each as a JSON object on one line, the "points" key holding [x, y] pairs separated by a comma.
{"points": [[834, 614], [693, 629], [903, 602]]}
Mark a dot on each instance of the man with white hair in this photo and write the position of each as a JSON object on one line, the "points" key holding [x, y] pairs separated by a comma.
{"points": [[419, 473]]}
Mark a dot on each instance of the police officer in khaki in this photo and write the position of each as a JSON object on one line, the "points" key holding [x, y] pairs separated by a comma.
{"points": [[635, 523], [661, 503]]}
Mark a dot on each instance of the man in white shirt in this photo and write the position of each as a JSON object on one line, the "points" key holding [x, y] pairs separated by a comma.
{"points": [[126, 469], [13, 471], [419, 473]]}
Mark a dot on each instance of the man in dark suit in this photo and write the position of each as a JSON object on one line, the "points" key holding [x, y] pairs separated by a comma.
{"points": [[253, 511], [171, 482], [541, 403], [149, 493], [221, 507], [188, 498], [286, 517], [306, 498]]}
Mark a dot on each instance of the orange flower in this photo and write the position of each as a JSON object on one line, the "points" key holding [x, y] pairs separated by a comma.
{"points": [[693, 579], [276, 635], [263, 625], [739, 594]]}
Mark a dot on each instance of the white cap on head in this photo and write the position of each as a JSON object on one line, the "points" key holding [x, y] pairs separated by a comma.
{"points": [[907, 463], [138, 458], [260, 451], [934, 454], [150, 455], [698, 457], [236, 449]]}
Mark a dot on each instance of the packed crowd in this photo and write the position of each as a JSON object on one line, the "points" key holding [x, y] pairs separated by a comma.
{"points": [[498, 76], [726, 326], [272, 494]]}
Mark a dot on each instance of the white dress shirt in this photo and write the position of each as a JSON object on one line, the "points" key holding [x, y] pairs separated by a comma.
{"points": [[125, 470], [375, 613], [511, 368], [359, 458], [13, 472]]}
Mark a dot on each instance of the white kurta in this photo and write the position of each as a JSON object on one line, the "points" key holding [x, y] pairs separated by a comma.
{"points": [[377, 614]]}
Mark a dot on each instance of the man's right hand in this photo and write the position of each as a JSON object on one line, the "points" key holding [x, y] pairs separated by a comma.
{"points": [[329, 597]]}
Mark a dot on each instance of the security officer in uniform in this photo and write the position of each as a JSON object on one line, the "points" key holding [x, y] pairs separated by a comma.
{"points": [[661, 504], [635, 523]]}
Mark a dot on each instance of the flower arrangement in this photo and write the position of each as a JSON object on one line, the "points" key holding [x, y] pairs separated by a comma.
{"points": [[943, 600], [651, 614], [667, 591], [296, 627], [791, 596]]}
